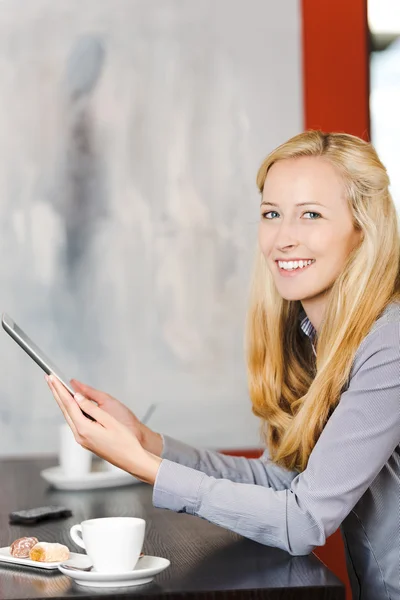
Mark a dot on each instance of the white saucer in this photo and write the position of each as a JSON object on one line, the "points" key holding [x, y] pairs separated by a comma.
{"points": [[146, 568], [5, 556], [99, 479]]}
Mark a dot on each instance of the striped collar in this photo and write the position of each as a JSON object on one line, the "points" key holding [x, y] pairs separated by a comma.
{"points": [[306, 325]]}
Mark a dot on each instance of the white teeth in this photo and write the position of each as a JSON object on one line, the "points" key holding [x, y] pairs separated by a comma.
{"points": [[291, 265]]}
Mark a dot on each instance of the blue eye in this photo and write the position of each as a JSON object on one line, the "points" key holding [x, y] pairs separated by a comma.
{"points": [[264, 215], [312, 213]]}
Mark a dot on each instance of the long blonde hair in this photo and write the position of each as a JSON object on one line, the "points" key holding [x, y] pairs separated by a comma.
{"points": [[292, 392]]}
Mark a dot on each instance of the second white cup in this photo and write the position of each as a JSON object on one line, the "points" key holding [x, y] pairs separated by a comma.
{"points": [[113, 544], [74, 460]]}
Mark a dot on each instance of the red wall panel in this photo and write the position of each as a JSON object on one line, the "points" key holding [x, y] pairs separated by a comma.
{"points": [[336, 66]]}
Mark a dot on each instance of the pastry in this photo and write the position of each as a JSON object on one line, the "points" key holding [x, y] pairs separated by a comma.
{"points": [[21, 547], [49, 552]]}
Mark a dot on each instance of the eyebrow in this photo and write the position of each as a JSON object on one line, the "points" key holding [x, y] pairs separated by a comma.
{"points": [[299, 204]]}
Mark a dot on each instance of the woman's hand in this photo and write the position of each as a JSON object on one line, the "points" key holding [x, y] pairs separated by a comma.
{"points": [[107, 437], [150, 440]]}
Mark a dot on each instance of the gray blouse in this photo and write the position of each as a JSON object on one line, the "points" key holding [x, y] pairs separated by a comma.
{"points": [[352, 479]]}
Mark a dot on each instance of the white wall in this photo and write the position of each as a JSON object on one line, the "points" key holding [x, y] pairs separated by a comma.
{"points": [[128, 202], [384, 107]]}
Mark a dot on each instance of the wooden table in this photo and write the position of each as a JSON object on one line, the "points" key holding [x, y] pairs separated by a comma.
{"points": [[206, 561]]}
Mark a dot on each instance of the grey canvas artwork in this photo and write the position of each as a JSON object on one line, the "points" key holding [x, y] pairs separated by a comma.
{"points": [[130, 137]]}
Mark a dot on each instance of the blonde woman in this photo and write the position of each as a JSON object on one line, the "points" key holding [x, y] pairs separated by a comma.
{"points": [[323, 349]]}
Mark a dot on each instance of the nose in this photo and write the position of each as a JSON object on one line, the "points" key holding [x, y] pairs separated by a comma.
{"points": [[286, 235]]}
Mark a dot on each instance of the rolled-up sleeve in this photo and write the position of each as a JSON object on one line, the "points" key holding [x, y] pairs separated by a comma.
{"points": [[355, 444]]}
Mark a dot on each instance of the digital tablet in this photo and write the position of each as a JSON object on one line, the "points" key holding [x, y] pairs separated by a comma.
{"points": [[34, 351]]}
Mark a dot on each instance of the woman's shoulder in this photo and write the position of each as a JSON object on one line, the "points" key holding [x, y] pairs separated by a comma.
{"points": [[384, 332], [391, 314]]}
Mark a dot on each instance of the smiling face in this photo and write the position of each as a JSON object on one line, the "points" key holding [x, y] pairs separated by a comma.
{"points": [[320, 230]]}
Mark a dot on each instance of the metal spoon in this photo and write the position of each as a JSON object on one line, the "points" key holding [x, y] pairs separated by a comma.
{"points": [[72, 568], [148, 413]]}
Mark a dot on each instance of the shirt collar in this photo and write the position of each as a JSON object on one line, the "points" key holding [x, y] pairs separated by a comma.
{"points": [[306, 326]]}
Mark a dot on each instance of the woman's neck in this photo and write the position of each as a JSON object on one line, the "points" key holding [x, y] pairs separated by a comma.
{"points": [[315, 310]]}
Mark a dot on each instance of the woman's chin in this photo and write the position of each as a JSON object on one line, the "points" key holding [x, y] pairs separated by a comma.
{"points": [[296, 294]]}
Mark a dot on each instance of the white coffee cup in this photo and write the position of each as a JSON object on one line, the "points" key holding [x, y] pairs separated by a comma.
{"points": [[74, 460], [113, 544]]}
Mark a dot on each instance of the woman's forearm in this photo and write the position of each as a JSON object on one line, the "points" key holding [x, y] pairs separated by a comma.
{"points": [[152, 441]]}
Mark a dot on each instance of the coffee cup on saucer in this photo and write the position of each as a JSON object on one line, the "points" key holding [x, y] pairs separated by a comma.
{"points": [[113, 544]]}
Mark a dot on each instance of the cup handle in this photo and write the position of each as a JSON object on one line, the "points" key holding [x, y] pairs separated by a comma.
{"points": [[74, 533]]}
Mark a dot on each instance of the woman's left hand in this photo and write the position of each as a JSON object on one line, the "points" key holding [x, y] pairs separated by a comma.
{"points": [[105, 436]]}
